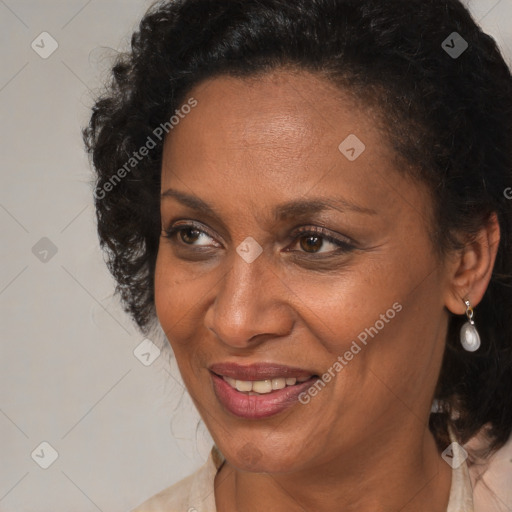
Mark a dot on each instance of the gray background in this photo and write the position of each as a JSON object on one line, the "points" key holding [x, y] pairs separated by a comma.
{"points": [[68, 374]]}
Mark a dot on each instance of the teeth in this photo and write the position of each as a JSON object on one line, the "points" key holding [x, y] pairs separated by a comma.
{"points": [[243, 385], [278, 383], [230, 381], [261, 387]]}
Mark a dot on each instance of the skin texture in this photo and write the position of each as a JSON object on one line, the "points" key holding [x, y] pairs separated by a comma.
{"points": [[362, 442]]}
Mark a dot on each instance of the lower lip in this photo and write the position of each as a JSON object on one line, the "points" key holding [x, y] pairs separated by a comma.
{"points": [[257, 406]]}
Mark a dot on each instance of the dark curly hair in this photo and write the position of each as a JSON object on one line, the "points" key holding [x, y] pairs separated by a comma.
{"points": [[448, 117]]}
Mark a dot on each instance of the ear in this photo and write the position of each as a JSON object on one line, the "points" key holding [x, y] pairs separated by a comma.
{"points": [[470, 269]]}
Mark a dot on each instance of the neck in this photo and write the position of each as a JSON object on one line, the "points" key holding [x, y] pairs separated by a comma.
{"points": [[405, 474]]}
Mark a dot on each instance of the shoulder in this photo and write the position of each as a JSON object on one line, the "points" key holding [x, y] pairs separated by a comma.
{"points": [[172, 498], [491, 480], [194, 493]]}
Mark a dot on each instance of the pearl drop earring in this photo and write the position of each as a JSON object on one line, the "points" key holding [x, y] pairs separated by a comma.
{"points": [[469, 337]]}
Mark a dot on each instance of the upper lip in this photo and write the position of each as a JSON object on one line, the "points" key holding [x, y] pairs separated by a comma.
{"points": [[258, 371]]}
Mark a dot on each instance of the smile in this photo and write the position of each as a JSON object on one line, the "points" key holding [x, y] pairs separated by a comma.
{"points": [[260, 390], [262, 387]]}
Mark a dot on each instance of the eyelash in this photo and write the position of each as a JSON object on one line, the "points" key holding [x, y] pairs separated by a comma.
{"points": [[343, 246]]}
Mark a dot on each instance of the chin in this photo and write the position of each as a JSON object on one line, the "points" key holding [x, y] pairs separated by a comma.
{"points": [[257, 458]]}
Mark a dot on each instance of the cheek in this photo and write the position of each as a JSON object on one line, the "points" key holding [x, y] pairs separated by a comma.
{"points": [[379, 317], [178, 291], [182, 296], [173, 297], [348, 306], [172, 302]]}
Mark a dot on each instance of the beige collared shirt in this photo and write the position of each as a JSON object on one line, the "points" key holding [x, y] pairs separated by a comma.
{"points": [[195, 493]]}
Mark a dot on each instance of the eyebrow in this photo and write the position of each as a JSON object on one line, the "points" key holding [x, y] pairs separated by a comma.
{"points": [[298, 207]]}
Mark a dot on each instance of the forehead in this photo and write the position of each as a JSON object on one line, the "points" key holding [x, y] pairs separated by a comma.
{"points": [[279, 136], [284, 118]]}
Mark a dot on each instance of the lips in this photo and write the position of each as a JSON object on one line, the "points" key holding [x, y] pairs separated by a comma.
{"points": [[259, 371], [259, 390]]}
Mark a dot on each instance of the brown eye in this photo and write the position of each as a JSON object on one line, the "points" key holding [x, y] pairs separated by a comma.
{"points": [[189, 235], [319, 241], [311, 243]]}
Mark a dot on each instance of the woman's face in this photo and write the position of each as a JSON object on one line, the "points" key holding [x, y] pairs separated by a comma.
{"points": [[297, 258]]}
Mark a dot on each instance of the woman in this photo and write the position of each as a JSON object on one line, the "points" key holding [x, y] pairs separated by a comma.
{"points": [[310, 198]]}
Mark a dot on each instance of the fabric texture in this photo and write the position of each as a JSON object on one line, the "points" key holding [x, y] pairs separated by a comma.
{"points": [[491, 482]]}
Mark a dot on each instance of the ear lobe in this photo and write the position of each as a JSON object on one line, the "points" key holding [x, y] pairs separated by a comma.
{"points": [[470, 269]]}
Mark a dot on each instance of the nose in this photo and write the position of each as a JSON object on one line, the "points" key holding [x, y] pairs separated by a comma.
{"points": [[250, 305]]}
